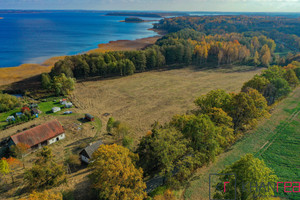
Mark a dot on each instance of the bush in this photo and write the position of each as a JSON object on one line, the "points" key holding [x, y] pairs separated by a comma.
{"points": [[127, 142], [8, 102]]}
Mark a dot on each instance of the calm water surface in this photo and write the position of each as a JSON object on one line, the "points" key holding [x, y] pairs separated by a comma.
{"points": [[34, 37]]}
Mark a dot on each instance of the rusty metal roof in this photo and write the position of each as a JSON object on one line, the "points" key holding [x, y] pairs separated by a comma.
{"points": [[39, 133]]}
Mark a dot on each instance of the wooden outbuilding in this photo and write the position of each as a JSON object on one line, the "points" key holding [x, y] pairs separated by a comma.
{"points": [[89, 117], [86, 153]]}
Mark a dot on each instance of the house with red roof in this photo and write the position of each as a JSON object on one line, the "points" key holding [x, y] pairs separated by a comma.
{"points": [[42, 135]]}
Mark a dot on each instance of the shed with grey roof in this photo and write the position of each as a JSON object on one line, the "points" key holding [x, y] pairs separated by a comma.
{"points": [[87, 152]]}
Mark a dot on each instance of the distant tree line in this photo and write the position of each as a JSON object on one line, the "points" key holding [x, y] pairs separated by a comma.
{"points": [[184, 47], [284, 30]]}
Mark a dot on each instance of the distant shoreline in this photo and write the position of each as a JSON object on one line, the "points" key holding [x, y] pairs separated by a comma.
{"points": [[140, 21], [9, 75]]}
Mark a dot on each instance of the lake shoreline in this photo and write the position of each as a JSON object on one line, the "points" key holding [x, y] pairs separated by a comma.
{"points": [[9, 75]]}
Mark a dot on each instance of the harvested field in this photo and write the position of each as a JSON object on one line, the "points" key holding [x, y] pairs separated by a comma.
{"points": [[141, 99]]}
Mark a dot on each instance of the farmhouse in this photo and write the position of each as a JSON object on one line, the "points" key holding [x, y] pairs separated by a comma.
{"points": [[87, 152], [39, 136]]}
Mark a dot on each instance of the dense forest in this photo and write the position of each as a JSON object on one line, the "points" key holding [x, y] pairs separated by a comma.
{"points": [[285, 31], [184, 47]]}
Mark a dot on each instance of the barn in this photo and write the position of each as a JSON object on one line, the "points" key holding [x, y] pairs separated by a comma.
{"points": [[87, 152], [39, 136]]}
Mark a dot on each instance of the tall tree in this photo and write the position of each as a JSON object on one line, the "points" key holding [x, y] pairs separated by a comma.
{"points": [[247, 108], [4, 167], [20, 151], [225, 136], [259, 83], [215, 98], [201, 132], [256, 60], [265, 55], [248, 170], [46, 81], [63, 85], [114, 174], [160, 150], [291, 78], [45, 172], [13, 164]]}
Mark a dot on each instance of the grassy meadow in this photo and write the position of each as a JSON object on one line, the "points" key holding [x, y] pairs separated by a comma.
{"points": [[275, 140], [281, 152], [141, 99]]}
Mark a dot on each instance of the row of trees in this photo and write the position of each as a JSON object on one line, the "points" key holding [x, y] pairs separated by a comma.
{"points": [[184, 47], [190, 141], [110, 63], [275, 82]]}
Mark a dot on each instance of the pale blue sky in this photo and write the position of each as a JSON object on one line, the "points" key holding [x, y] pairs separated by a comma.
{"points": [[173, 5]]}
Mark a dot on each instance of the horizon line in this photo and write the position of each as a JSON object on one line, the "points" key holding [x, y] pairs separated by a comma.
{"points": [[16, 9]]}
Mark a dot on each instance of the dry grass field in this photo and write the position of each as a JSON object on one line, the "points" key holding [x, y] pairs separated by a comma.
{"points": [[141, 99], [13, 74]]}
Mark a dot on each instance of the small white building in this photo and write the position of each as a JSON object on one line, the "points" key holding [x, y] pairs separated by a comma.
{"points": [[87, 152], [68, 105], [56, 109], [10, 118]]}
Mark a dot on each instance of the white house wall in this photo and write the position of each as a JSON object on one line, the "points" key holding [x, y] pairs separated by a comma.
{"points": [[53, 140], [84, 159]]}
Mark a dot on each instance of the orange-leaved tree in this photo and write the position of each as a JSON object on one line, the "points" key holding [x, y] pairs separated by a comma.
{"points": [[13, 164], [20, 151]]}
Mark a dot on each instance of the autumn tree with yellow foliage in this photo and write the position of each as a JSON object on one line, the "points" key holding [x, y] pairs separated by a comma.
{"points": [[115, 175], [168, 195], [45, 195]]}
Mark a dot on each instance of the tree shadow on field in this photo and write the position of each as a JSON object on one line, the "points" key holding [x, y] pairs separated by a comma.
{"points": [[84, 191]]}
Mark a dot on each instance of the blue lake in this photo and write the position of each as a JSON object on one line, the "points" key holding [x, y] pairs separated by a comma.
{"points": [[33, 37]]}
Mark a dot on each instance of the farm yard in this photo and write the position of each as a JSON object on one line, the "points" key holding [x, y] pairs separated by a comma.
{"points": [[275, 140]]}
